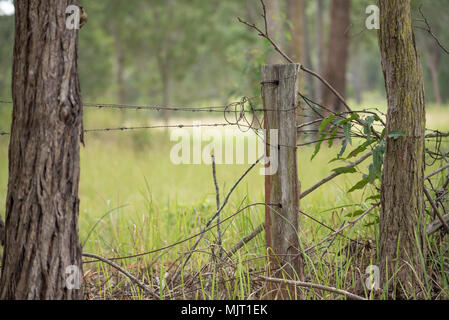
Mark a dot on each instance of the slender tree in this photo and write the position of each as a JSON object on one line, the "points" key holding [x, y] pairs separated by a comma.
{"points": [[299, 48], [295, 20], [319, 38], [338, 53], [433, 60], [42, 204], [274, 18], [401, 226]]}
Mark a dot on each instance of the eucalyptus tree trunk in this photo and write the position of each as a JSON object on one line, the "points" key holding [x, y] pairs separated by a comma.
{"points": [[299, 49], [295, 20], [275, 22], [433, 62], [42, 201], [337, 54], [401, 220], [320, 45]]}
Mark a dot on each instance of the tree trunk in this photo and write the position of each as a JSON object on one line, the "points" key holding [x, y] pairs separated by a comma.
{"points": [[337, 55], [299, 49], [42, 203], [120, 66], [274, 19], [433, 62], [401, 225], [119, 69], [295, 16], [2, 232], [320, 46], [166, 86], [357, 79], [310, 80]]}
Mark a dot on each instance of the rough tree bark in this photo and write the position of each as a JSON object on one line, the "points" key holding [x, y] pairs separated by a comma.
{"points": [[401, 225], [337, 55], [42, 201]]}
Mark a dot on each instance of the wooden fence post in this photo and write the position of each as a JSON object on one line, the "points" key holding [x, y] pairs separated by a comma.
{"points": [[280, 98]]}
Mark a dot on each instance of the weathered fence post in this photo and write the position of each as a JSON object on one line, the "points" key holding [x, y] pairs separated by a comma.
{"points": [[280, 98]]}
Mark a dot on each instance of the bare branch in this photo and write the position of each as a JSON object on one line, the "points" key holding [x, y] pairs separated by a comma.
{"points": [[217, 191], [429, 30], [436, 172], [313, 286], [246, 239], [126, 273]]}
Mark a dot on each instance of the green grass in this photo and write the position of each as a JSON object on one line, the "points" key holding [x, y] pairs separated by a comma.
{"points": [[145, 202]]}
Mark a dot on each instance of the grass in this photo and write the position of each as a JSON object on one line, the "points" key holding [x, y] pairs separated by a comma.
{"points": [[140, 201]]}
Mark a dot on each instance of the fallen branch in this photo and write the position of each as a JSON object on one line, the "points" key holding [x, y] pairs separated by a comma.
{"points": [[313, 286], [246, 239], [126, 273]]}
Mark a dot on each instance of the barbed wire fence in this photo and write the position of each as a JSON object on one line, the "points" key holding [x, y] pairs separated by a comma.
{"points": [[245, 116]]}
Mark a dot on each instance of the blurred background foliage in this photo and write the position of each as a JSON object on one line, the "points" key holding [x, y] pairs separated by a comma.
{"points": [[179, 52]]}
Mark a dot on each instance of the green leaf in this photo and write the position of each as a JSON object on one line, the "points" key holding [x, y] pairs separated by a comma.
{"points": [[332, 136], [396, 134], [372, 176], [375, 197], [343, 148], [368, 123], [375, 222], [347, 132], [360, 185], [360, 149], [356, 213], [344, 170], [324, 123], [318, 146], [378, 158], [335, 159]]}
